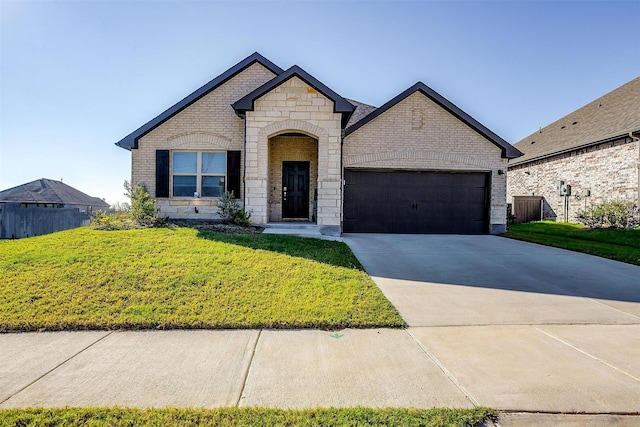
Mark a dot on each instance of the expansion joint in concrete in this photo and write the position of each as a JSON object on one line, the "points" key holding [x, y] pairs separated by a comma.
{"points": [[248, 368], [56, 367], [604, 362], [613, 308], [449, 375]]}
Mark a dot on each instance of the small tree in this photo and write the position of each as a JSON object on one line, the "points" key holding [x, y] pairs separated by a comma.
{"points": [[143, 208], [230, 211]]}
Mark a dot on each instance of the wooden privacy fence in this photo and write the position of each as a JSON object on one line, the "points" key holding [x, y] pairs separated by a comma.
{"points": [[527, 208], [18, 220]]}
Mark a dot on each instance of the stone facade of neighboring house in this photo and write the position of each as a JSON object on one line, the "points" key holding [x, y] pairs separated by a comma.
{"points": [[291, 149], [595, 151]]}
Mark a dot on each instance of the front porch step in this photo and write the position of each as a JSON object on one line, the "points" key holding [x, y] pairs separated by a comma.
{"points": [[291, 225], [303, 229]]}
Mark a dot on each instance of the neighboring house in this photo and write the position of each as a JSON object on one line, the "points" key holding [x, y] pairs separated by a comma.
{"points": [[291, 149], [589, 156], [44, 206]]}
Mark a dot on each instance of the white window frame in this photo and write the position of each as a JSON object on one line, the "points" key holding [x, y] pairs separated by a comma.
{"points": [[198, 173]]}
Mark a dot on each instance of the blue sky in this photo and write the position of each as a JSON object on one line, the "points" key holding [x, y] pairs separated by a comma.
{"points": [[77, 76]]}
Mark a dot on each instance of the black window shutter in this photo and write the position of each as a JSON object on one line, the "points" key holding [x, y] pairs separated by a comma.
{"points": [[162, 173], [233, 173]]}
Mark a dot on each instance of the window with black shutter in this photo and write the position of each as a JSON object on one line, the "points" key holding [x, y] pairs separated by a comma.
{"points": [[233, 173], [162, 173]]}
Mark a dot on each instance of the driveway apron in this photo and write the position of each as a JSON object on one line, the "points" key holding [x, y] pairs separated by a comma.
{"points": [[521, 327]]}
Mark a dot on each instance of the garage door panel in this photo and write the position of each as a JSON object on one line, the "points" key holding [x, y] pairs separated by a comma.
{"points": [[415, 202]]}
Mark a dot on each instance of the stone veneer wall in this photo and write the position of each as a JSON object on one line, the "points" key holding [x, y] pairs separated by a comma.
{"points": [[290, 148], [294, 107], [208, 124], [417, 134], [609, 171]]}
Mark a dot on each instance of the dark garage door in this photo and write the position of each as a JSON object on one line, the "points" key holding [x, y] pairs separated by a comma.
{"points": [[415, 202]]}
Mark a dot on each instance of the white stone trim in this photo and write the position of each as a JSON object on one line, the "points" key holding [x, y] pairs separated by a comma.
{"points": [[301, 126], [188, 140], [446, 158]]}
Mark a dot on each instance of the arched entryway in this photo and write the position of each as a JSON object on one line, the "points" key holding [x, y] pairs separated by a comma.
{"points": [[293, 177]]}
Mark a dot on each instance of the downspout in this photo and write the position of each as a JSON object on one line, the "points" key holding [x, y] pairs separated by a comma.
{"points": [[342, 180], [637, 141], [244, 165]]}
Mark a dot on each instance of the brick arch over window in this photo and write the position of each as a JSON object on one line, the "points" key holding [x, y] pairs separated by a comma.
{"points": [[198, 140], [421, 156]]}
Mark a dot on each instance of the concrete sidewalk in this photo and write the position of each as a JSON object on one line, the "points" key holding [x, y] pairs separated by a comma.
{"points": [[299, 368], [547, 369]]}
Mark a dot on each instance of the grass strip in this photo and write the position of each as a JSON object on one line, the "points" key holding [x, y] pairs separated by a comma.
{"points": [[616, 244], [116, 416], [169, 278]]}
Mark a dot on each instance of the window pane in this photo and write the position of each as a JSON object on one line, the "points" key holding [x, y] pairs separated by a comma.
{"points": [[212, 186], [185, 162], [184, 186], [214, 163]]}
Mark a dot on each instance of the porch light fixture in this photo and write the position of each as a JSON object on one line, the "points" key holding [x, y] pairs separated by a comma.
{"points": [[500, 172]]}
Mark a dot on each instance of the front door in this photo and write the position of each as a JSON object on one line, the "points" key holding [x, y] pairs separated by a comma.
{"points": [[295, 189]]}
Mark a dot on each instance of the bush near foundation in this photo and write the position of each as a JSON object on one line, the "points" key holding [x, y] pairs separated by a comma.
{"points": [[142, 212], [230, 211], [611, 214]]}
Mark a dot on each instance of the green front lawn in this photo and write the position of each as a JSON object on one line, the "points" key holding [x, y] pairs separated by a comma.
{"points": [[184, 278], [244, 417], [617, 244]]}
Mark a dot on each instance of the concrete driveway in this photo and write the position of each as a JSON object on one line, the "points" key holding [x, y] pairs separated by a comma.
{"points": [[516, 326]]}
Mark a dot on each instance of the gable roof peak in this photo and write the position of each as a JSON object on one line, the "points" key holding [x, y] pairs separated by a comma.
{"points": [[508, 151], [131, 141], [340, 104]]}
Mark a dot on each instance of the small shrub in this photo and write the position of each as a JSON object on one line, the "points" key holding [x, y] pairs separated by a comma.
{"points": [[140, 213], [611, 214], [144, 209], [230, 211], [112, 221]]}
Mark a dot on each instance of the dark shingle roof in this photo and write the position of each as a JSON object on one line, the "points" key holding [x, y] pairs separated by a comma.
{"points": [[131, 141], [609, 117], [362, 110], [340, 105], [508, 151], [49, 191]]}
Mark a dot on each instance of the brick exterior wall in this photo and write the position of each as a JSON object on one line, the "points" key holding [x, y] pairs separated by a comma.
{"points": [[417, 134], [290, 148], [208, 124], [294, 107], [609, 171]]}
